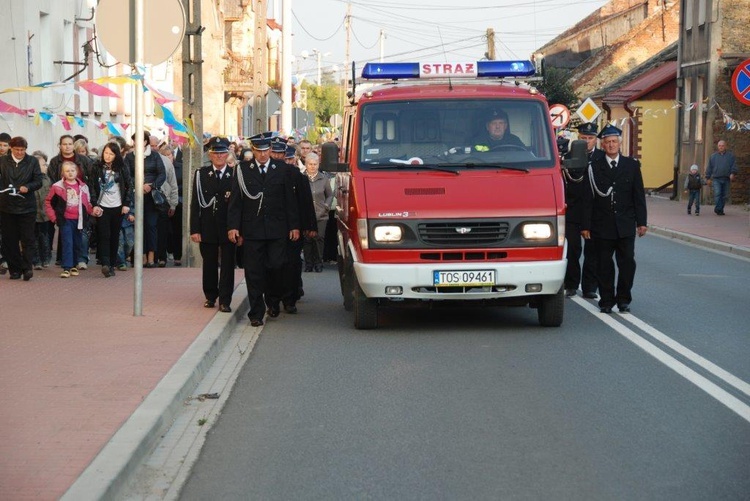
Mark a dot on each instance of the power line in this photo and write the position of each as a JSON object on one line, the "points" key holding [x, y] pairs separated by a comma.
{"points": [[313, 36]]}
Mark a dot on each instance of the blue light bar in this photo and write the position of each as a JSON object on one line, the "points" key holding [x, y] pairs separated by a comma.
{"points": [[390, 70], [479, 69]]}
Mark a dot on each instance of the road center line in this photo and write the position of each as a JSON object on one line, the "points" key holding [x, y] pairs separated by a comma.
{"points": [[712, 389], [714, 369]]}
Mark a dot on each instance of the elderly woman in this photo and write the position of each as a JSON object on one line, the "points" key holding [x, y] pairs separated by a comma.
{"points": [[322, 197]]}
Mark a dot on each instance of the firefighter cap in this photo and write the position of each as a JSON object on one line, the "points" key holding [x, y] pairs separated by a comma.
{"points": [[588, 129], [261, 141], [218, 145], [610, 130], [278, 144]]}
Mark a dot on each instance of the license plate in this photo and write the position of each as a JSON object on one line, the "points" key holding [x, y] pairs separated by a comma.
{"points": [[469, 278]]}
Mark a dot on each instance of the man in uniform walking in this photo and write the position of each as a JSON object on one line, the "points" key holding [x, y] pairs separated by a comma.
{"points": [[577, 188], [212, 188], [263, 216], [615, 212]]}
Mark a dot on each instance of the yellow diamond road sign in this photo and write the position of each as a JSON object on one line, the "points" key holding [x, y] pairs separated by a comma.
{"points": [[588, 111]]}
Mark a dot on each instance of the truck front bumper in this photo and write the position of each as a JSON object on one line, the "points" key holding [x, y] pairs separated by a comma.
{"points": [[512, 280]]}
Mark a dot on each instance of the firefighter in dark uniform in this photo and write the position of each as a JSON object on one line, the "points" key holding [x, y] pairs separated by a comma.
{"points": [[615, 214], [212, 188], [292, 274], [263, 216], [577, 188]]}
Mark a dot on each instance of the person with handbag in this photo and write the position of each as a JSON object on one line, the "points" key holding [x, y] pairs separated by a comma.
{"points": [[112, 192], [154, 176], [209, 203]]}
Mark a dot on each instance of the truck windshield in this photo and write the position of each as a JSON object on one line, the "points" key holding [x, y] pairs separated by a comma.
{"points": [[457, 134]]}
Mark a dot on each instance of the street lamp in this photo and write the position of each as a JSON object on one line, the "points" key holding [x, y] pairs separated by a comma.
{"points": [[319, 60]]}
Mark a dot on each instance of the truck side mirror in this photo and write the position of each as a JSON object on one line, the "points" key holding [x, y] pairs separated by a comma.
{"points": [[329, 158], [579, 157]]}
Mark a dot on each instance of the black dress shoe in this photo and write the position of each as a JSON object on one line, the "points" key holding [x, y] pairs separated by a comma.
{"points": [[623, 307], [570, 292], [224, 308], [209, 304], [308, 269], [15, 276], [290, 308], [273, 312], [256, 322], [605, 309], [27, 275], [590, 295]]}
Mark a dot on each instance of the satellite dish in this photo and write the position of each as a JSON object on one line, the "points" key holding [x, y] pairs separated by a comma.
{"points": [[163, 28]]}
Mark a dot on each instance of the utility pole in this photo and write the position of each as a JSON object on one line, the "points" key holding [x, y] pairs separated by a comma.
{"points": [[286, 68], [260, 80], [192, 107], [382, 43], [490, 54], [348, 24]]}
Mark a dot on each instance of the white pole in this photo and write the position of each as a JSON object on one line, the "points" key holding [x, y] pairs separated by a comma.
{"points": [[320, 55], [286, 68], [382, 44], [139, 150]]}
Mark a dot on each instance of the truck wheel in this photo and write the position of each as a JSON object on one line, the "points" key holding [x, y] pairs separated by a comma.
{"points": [[365, 309], [551, 309], [346, 275]]}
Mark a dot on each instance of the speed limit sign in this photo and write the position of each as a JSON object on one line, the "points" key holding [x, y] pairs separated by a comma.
{"points": [[560, 115]]}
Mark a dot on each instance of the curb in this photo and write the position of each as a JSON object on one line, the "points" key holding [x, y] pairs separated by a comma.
{"points": [[110, 470], [707, 243]]}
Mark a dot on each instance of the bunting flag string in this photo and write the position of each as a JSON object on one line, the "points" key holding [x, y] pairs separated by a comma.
{"points": [[97, 86], [710, 103]]}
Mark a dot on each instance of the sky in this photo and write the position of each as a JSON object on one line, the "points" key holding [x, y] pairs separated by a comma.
{"points": [[426, 30]]}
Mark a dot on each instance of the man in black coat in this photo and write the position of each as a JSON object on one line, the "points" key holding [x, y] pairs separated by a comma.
{"points": [[616, 212], [292, 274], [20, 177], [263, 216], [209, 206], [577, 189]]}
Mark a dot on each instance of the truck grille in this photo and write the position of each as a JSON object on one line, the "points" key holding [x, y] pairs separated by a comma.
{"points": [[459, 234]]}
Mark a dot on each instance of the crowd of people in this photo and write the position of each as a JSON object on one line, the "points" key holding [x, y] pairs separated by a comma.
{"points": [[80, 203]]}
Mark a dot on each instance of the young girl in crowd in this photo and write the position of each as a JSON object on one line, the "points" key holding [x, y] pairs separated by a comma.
{"points": [[67, 204], [112, 198]]}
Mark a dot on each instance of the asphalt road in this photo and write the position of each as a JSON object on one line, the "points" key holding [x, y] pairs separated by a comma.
{"points": [[482, 403]]}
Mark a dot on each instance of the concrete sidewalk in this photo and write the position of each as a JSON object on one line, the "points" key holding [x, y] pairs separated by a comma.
{"points": [[730, 233], [76, 365]]}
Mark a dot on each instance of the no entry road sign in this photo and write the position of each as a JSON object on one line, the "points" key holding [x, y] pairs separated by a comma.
{"points": [[741, 82]]}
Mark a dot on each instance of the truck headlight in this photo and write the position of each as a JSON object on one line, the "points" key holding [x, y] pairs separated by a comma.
{"points": [[537, 231], [389, 233]]}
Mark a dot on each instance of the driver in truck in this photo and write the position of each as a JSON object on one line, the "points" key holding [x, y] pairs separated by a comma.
{"points": [[497, 133]]}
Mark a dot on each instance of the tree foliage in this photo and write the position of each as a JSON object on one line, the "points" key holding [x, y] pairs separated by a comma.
{"points": [[324, 101], [557, 87]]}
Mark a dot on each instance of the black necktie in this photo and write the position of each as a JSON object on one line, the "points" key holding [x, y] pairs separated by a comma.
{"points": [[263, 171], [613, 164], [218, 174]]}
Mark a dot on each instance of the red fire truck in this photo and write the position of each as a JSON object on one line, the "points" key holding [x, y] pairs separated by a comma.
{"points": [[449, 188]]}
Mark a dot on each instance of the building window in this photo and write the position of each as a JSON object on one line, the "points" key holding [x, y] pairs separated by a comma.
{"points": [[688, 14], [701, 12], [46, 68]]}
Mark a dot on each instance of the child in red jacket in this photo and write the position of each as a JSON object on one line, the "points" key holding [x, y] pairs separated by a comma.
{"points": [[68, 204]]}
